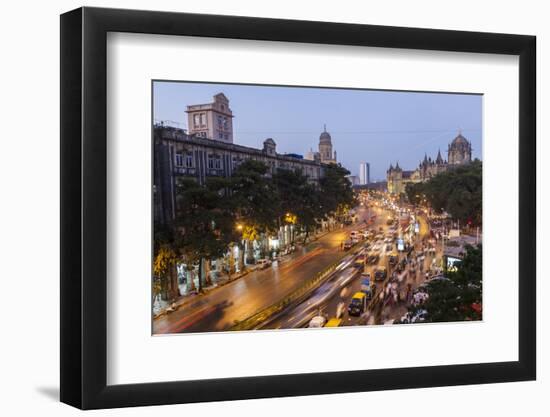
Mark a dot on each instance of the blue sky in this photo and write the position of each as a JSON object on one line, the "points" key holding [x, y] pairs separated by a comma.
{"points": [[378, 127]]}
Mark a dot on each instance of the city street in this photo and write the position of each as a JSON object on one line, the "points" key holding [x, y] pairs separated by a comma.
{"points": [[220, 308], [223, 307], [337, 292]]}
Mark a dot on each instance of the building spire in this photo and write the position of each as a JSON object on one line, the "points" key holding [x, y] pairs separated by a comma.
{"points": [[324, 127]]}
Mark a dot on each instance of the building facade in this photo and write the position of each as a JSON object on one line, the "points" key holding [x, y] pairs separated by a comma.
{"points": [[178, 155], [353, 180], [212, 120], [459, 153]]}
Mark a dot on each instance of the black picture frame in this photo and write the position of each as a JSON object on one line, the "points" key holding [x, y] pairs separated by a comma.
{"points": [[84, 207]]}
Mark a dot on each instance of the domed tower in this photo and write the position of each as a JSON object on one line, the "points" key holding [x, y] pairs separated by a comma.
{"points": [[460, 151], [325, 147]]}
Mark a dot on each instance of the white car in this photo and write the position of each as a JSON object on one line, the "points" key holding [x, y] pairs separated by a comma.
{"points": [[317, 322], [263, 263]]}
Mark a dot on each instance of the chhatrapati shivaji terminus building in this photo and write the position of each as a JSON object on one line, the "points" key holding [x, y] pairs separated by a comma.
{"points": [[459, 153]]}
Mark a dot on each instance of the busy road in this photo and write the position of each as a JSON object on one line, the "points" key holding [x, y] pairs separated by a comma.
{"points": [[222, 307], [389, 293], [381, 268]]}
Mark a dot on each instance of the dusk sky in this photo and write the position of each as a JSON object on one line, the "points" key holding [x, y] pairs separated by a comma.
{"points": [[378, 127]]}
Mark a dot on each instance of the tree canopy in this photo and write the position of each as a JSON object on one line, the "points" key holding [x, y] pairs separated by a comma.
{"points": [[458, 296], [457, 191], [223, 211], [205, 220]]}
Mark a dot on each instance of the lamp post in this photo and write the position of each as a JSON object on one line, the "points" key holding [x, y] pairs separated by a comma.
{"points": [[240, 262]]}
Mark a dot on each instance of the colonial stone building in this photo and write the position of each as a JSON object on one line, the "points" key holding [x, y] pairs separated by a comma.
{"points": [[178, 154], [207, 150], [459, 153]]}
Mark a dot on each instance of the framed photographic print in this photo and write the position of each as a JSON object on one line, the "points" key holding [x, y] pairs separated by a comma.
{"points": [[256, 207]]}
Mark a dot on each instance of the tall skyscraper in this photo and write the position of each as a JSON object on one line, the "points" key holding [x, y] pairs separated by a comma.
{"points": [[364, 173]]}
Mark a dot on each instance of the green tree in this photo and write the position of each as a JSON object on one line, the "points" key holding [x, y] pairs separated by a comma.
{"points": [[414, 192], [458, 191], [205, 221], [335, 192], [309, 211], [298, 200], [289, 189], [252, 195], [165, 259], [456, 298]]}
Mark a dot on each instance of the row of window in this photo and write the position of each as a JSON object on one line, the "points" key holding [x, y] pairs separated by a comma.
{"points": [[214, 161], [185, 160]]}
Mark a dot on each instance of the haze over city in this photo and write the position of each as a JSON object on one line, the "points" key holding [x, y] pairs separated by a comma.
{"points": [[379, 127]]}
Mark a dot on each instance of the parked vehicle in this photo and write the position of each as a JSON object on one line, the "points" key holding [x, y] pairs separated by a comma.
{"points": [[263, 263], [417, 317]]}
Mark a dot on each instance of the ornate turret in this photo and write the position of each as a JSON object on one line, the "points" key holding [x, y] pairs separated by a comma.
{"points": [[325, 147], [325, 138], [460, 150], [439, 159]]}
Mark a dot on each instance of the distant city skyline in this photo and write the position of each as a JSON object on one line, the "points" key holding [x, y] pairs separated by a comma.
{"points": [[380, 127]]}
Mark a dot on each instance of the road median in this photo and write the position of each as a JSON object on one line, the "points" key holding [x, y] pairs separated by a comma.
{"points": [[294, 296]]}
